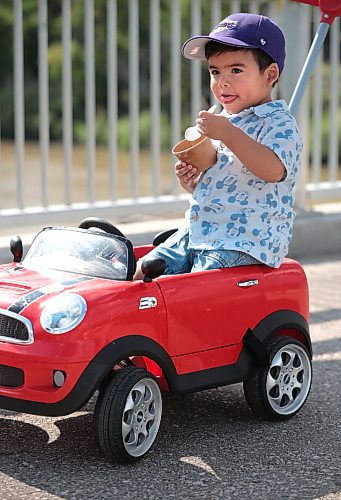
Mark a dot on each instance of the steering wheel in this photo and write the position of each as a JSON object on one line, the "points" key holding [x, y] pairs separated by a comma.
{"points": [[111, 229], [100, 224]]}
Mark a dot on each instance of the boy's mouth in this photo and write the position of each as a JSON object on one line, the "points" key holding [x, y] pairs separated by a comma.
{"points": [[227, 98]]}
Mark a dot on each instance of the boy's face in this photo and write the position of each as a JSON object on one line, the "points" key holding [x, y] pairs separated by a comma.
{"points": [[236, 80]]}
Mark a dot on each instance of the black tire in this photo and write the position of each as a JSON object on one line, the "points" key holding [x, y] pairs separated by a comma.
{"points": [[280, 389], [127, 434]]}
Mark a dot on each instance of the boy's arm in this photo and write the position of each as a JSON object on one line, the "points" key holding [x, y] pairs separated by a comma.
{"points": [[257, 158]]}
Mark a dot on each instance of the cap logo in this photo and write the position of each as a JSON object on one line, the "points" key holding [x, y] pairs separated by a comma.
{"points": [[262, 41], [218, 30], [229, 24]]}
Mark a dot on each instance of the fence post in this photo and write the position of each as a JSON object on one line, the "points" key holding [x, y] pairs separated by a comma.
{"points": [[294, 18], [44, 133], [67, 98], [19, 106]]}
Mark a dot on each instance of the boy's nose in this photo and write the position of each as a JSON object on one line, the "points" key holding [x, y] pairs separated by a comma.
{"points": [[224, 81], [224, 86]]}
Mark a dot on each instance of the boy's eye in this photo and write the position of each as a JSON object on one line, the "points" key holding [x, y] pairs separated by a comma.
{"points": [[214, 72], [236, 70]]}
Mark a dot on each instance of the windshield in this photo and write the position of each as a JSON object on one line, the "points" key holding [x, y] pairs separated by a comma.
{"points": [[79, 251]]}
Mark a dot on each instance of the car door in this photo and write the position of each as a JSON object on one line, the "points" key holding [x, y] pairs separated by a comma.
{"points": [[211, 309]]}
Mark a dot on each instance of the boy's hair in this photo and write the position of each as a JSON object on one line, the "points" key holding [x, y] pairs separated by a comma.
{"points": [[262, 59]]}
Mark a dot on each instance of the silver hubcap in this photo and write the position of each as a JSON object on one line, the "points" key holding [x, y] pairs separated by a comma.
{"points": [[289, 378], [141, 417]]}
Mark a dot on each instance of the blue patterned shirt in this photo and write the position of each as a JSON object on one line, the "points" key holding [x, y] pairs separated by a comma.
{"points": [[231, 208]]}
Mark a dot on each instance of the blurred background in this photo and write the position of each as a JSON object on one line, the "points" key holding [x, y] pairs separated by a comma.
{"points": [[94, 93]]}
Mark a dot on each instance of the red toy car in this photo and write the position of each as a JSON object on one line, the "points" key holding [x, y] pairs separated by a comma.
{"points": [[72, 321]]}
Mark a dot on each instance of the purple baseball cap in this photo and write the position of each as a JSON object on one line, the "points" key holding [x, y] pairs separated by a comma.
{"points": [[251, 31]]}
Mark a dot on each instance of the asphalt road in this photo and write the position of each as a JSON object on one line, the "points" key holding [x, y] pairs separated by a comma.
{"points": [[209, 446]]}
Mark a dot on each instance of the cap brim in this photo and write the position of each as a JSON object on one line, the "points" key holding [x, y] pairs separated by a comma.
{"points": [[194, 48]]}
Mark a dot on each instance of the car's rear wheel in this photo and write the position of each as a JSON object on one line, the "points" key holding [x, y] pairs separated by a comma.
{"points": [[278, 391], [128, 415]]}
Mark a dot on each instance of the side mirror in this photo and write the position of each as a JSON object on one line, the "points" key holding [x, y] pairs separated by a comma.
{"points": [[152, 269], [16, 248]]}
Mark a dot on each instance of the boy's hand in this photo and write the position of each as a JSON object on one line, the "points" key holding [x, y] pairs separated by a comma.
{"points": [[214, 126], [188, 176]]}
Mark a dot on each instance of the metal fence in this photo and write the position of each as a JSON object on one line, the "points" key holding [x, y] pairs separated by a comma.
{"points": [[318, 116]]}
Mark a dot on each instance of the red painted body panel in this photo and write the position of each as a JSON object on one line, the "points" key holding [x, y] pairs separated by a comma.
{"points": [[38, 384], [205, 360], [287, 288], [112, 312], [142, 250], [207, 310]]}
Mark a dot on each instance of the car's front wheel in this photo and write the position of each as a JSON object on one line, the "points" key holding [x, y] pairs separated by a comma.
{"points": [[128, 415], [279, 390]]}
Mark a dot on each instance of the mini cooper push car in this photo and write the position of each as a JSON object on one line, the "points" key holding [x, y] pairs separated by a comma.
{"points": [[73, 321]]}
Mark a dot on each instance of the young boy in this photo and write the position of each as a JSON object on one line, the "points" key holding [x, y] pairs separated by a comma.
{"points": [[241, 209]]}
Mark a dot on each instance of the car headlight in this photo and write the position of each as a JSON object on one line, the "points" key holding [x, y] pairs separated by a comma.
{"points": [[63, 313]]}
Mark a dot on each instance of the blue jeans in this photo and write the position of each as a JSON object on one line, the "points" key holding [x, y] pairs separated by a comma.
{"points": [[181, 259]]}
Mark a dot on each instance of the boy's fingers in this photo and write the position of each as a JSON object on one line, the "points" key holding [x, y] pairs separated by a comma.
{"points": [[181, 168], [185, 167], [204, 114], [181, 165]]}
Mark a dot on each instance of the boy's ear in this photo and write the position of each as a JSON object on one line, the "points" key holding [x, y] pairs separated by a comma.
{"points": [[272, 73]]}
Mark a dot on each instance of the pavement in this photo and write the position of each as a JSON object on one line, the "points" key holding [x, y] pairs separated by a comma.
{"points": [[317, 232], [209, 446]]}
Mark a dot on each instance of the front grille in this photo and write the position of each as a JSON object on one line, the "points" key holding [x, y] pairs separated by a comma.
{"points": [[15, 328], [10, 376], [12, 328]]}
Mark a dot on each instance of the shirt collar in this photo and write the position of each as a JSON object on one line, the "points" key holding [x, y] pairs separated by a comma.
{"points": [[262, 110], [269, 107]]}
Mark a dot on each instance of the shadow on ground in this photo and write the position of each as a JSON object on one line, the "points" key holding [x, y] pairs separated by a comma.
{"points": [[209, 446]]}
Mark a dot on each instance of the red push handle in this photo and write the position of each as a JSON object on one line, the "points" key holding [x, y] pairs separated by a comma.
{"points": [[310, 2], [330, 8]]}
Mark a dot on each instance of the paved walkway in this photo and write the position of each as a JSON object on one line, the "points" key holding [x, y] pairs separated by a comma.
{"points": [[210, 446]]}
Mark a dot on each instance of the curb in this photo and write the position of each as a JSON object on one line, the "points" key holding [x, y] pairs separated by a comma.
{"points": [[316, 234]]}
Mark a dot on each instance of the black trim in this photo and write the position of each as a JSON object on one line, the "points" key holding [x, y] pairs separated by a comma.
{"points": [[215, 377], [26, 300], [136, 345], [92, 376], [11, 376], [256, 340], [256, 347], [163, 236]]}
